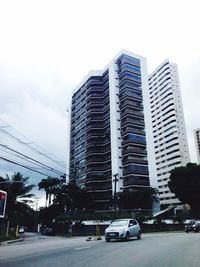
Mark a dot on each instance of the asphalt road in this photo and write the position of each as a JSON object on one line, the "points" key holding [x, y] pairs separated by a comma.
{"points": [[153, 250]]}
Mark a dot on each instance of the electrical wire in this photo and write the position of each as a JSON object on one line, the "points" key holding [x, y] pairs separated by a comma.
{"points": [[13, 153], [29, 159]]}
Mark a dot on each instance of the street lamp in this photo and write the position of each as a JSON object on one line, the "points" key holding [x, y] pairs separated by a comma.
{"points": [[75, 174], [115, 180]]}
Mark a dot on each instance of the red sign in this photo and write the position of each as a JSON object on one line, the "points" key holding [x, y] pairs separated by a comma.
{"points": [[3, 197]]}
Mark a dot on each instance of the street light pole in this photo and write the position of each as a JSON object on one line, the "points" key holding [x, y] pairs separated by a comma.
{"points": [[75, 174], [115, 180]]}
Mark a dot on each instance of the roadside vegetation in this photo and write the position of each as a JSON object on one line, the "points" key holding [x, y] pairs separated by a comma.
{"points": [[68, 204], [18, 212]]}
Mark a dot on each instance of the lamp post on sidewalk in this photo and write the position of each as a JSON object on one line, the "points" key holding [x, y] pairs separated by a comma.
{"points": [[115, 180]]}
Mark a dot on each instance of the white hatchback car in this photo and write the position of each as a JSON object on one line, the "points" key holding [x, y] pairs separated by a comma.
{"points": [[123, 229]]}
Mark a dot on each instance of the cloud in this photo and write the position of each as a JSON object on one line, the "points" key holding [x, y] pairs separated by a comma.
{"points": [[48, 47]]}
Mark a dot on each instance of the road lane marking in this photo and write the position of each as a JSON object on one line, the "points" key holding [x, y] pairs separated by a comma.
{"points": [[82, 248]]}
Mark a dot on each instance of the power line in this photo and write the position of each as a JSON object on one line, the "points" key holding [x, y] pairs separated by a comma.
{"points": [[29, 159], [19, 164], [28, 145], [24, 141]]}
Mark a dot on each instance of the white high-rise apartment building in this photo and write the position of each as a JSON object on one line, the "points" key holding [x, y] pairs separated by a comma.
{"points": [[197, 143], [169, 135]]}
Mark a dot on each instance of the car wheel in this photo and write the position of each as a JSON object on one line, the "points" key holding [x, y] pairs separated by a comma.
{"points": [[127, 236], [139, 235], [107, 239]]}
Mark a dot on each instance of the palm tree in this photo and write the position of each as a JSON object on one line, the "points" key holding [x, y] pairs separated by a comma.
{"points": [[72, 196], [50, 185], [17, 189]]}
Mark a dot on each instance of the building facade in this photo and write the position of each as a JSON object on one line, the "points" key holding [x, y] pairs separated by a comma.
{"points": [[107, 136], [197, 143], [169, 134]]}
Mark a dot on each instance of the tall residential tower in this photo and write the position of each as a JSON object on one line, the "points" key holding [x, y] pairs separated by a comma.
{"points": [[169, 135], [107, 136], [197, 143]]}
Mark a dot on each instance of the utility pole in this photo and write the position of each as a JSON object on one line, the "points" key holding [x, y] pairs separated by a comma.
{"points": [[115, 180], [75, 175]]}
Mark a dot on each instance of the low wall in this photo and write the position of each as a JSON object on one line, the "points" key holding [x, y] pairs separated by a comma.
{"points": [[146, 228]]}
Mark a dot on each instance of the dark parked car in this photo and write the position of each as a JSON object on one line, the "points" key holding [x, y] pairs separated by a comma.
{"points": [[47, 231], [192, 226]]}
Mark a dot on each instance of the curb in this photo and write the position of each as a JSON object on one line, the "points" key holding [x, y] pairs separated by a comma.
{"points": [[11, 241]]}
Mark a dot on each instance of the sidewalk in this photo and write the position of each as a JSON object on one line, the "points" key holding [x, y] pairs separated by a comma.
{"points": [[6, 242]]}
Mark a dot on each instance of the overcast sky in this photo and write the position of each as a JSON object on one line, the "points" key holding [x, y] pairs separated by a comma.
{"points": [[47, 47]]}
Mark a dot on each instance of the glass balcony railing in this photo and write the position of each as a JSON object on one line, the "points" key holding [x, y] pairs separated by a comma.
{"points": [[132, 180], [131, 141], [131, 150], [105, 167], [129, 120], [97, 159], [130, 103], [133, 95], [135, 169], [139, 161], [127, 130], [134, 113]]}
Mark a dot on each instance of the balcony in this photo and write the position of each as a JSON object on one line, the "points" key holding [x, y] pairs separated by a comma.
{"points": [[126, 103], [101, 133], [136, 169], [127, 94], [129, 141], [98, 110], [138, 161], [97, 95], [130, 113], [98, 141], [98, 176], [133, 130], [131, 150], [100, 160], [130, 77], [130, 85], [129, 120], [129, 60], [98, 151], [95, 125], [105, 167], [91, 141], [97, 104], [98, 187], [135, 180], [95, 118]]}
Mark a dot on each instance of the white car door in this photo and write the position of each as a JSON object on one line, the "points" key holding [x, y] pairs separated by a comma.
{"points": [[133, 228]]}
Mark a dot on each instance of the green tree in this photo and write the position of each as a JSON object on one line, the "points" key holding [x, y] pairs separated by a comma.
{"points": [[137, 198], [67, 198], [71, 196], [51, 186], [185, 184], [17, 189]]}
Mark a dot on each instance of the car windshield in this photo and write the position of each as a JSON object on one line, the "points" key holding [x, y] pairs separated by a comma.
{"points": [[119, 223]]}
